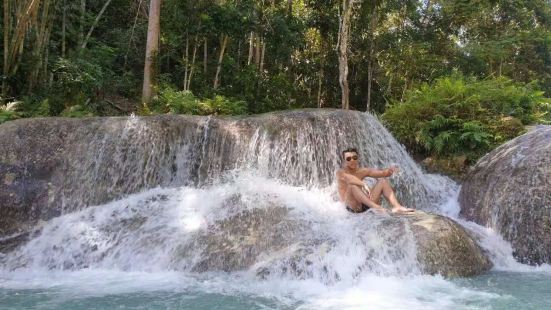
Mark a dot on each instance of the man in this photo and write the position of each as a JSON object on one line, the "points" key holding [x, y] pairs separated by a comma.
{"points": [[357, 196]]}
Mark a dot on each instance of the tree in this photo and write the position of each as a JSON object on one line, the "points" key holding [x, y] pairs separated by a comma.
{"points": [[151, 51], [25, 22], [96, 20], [344, 35], [272, 54]]}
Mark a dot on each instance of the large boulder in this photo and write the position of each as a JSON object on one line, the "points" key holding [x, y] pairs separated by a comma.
{"points": [[444, 247], [270, 241], [55, 166], [509, 190], [248, 231]]}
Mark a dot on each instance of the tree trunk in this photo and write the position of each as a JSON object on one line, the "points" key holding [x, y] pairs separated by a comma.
{"points": [[38, 49], [405, 87], [30, 17], [131, 35], [369, 80], [290, 8], [81, 24], [262, 56], [151, 51], [320, 76], [188, 87], [373, 24], [238, 62], [251, 43], [257, 51], [220, 59], [63, 29], [44, 76], [186, 62], [6, 31], [205, 58], [24, 13], [344, 34], [389, 86], [83, 45]]}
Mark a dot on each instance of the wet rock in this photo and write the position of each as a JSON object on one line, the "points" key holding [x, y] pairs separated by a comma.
{"points": [[9, 243], [55, 166], [21, 199], [509, 190], [444, 247], [237, 242], [455, 166], [29, 158], [266, 241]]}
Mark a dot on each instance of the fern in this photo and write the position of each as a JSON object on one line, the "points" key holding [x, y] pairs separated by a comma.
{"points": [[459, 115]]}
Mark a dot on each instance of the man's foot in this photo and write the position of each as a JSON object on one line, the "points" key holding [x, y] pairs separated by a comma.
{"points": [[402, 210]]}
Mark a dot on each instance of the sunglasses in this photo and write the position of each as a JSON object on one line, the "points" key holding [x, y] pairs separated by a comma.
{"points": [[355, 157]]}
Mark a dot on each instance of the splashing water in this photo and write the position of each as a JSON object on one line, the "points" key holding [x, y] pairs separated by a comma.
{"points": [[235, 213]]}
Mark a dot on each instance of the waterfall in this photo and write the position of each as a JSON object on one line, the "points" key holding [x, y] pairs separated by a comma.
{"points": [[125, 155], [237, 206], [182, 187]]}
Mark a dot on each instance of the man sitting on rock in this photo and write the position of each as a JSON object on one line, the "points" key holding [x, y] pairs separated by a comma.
{"points": [[357, 196]]}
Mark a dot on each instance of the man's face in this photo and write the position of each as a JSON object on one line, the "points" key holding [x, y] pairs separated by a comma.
{"points": [[351, 160]]}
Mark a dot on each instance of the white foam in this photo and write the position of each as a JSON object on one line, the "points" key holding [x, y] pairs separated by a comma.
{"points": [[108, 257], [373, 292]]}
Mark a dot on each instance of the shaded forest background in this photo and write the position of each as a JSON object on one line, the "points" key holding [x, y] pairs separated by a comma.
{"points": [[450, 78]]}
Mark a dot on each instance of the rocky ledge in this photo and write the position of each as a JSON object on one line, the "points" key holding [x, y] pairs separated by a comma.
{"points": [[243, 241], [509, 190]]}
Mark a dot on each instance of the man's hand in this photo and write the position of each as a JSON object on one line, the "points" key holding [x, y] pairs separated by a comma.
{"points": [[390, 171]]}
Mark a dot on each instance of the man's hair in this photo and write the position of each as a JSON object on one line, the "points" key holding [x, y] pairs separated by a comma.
{"points": [[349, 150]]}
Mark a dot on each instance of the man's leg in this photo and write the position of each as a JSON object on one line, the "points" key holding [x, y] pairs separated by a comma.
{"points": [[355, 196], [384, 188]]}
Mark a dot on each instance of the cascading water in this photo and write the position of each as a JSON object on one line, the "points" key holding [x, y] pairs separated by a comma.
{"points": [[299, 148], [236, 213]]}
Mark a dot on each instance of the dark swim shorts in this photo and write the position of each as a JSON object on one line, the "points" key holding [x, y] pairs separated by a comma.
{"points": [[363, 209]]}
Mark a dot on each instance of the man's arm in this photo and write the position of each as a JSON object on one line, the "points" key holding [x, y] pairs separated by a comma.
{"points": [[376, 173], [349, 179]]}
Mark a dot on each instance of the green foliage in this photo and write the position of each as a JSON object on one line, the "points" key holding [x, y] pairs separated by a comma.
{"points": [[458, 115], [28, 107], [43, 109], [9, 111], [177, 102], [6, 115], [76, 82], [262, 93], [77, 111], [443, 136], [128, 85], [221, 105], [281, 55], [184, 102], [279, 93], [77, 75], [34, 106]]}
